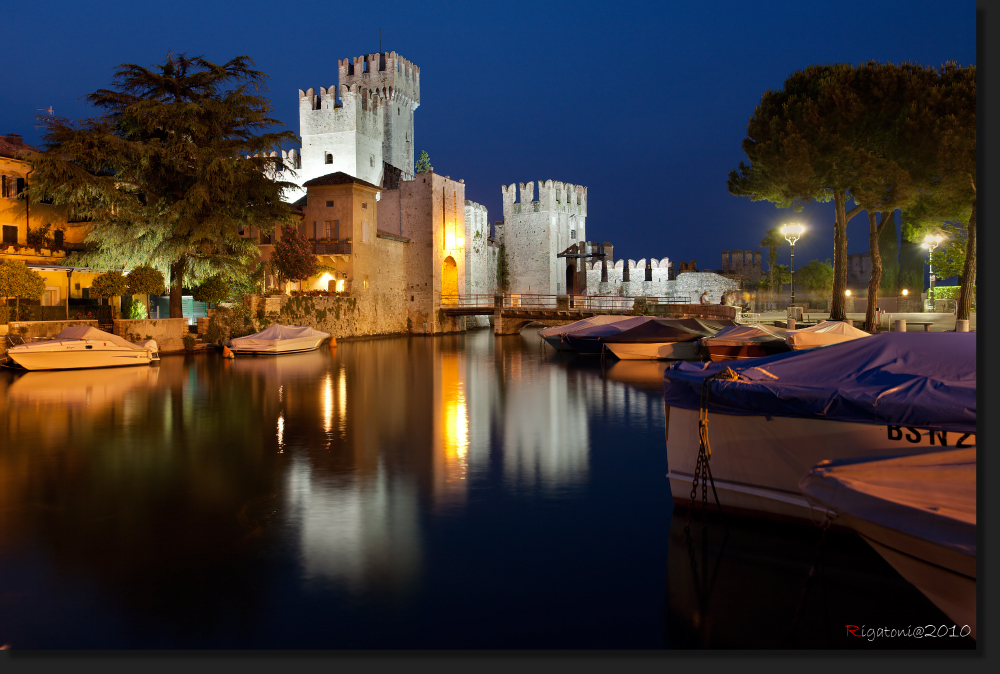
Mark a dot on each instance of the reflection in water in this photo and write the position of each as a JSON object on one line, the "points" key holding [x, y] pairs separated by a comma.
{"points": [[451, 431], [546, 434], [212, 503], [360, 533]]}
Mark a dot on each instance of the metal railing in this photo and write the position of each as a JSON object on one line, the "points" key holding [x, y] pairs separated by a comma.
{"points": [[555, 302], [333, 247], [470, 300]]}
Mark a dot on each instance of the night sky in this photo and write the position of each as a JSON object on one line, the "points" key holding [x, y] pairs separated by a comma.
{"points": [[646, 104]]}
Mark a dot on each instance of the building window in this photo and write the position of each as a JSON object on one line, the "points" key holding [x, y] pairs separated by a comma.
{"points": [[11, 186], [572, 235], [364, 204], [371, 161], [365, 235], [329, 158], [57, 237], [329, 204], [9, 235]]}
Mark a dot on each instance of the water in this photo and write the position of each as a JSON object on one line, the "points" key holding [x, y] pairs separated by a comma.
{"points": [[449, 492]]}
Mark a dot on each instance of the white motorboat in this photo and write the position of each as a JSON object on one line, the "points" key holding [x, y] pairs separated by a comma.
{"points": [[919, 513], [82, 346], [893, 394], [278, 339], [554, 335], [822, 334]]}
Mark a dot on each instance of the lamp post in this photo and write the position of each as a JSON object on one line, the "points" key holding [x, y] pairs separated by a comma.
{"points": [[931, 242], [792, 233]]}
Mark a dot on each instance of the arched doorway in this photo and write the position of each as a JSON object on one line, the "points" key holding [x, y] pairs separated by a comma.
{"points": [[570, 280], [449, 278]]}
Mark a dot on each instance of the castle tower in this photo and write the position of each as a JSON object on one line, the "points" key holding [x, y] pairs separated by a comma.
{"points": [[363, 126], [534, 232]]}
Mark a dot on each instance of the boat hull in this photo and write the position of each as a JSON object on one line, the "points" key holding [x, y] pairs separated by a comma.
{"points": [[293, 346], [654, 350], [951, 591], [757, 461], [79, 358]]}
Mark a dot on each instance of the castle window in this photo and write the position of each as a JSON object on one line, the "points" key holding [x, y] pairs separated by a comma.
{"points": [[371, 161], [397, 112], [364, 204], [329, 158], [329, 204], [572, 235]]}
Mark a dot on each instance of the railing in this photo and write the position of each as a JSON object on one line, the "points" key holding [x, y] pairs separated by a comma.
{"points": [[463, 301], [529, 301], [333, 247]]}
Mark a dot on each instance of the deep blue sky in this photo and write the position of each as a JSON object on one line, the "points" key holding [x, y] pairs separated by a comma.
{"points": [[644, 103]]}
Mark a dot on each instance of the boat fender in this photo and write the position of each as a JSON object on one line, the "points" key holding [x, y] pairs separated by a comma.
{"points": [[227, 353], [333, 342]]}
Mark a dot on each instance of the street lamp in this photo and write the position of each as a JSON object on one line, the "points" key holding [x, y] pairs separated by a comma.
{"points": [[931, 242], [792, 233]]}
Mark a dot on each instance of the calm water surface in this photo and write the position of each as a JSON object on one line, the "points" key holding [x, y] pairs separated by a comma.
{"points": [[450, 492]]}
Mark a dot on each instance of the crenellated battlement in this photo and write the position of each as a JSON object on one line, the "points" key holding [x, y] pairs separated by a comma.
{"points": [[553, 195], [392, 76]]}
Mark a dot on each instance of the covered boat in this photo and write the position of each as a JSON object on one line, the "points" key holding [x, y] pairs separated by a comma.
{"points": [[653, 337], [822, 334], [745, 341], [277, 339], [589, 339], [658, 339], [83, 346], [554, 335], [891, 394], [918, 512]]}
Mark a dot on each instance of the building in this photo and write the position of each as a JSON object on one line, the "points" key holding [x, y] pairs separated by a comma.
{"points": [[362, 127], [38, 234], [429, 211]]}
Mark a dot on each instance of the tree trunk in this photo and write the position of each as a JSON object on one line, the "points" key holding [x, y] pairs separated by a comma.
{"points": [[876, 278], [838, 303], [969, 270], [176, 287]]}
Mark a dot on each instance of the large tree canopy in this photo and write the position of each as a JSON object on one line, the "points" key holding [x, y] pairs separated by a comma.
{"points": [[173, 170], [880, 135]]}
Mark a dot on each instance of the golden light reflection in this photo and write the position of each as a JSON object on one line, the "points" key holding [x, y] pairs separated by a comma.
{"points": [[340, 285], [451, 457], [327, 403], [342, 403], [281, 433]]}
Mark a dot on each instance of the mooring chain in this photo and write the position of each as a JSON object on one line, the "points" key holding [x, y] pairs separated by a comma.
{"points": [[702, 471]]}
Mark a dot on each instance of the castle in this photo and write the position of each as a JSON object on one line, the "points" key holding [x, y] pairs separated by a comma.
{"points": [[368, 132], [359, 136]]}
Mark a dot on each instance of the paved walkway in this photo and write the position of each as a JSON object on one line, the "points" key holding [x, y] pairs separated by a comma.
{"points": [[939, 322]]}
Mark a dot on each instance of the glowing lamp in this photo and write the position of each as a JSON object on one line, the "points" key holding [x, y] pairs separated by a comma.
{"points": [[848, 292], [905, 292]]}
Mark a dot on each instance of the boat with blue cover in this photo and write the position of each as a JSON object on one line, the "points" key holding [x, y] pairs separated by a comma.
{"points": [[770, 420]]}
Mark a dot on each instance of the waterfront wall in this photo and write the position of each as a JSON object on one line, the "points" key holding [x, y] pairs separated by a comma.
{"points": [[367, 315], [168, 332]]}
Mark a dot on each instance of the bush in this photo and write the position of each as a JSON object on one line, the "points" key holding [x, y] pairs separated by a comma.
{"points": [[952, 293], [188, 342], [137, 311], [212, 290]]}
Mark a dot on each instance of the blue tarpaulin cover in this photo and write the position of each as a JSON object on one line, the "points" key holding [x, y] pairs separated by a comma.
{"points": [[906, 379]]}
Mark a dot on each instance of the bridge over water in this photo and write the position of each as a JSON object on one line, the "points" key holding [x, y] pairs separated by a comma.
{"points": [[511, 312]]}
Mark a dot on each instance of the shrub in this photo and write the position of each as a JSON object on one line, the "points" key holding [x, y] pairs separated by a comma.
{"points": [[188, 342], [212, 290]]}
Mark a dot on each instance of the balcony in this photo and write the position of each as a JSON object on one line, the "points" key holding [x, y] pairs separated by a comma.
{"points": [[333, 247]]}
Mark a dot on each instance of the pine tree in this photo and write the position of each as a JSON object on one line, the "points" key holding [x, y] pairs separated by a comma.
{"points": [[423, 164], [176, 166]]}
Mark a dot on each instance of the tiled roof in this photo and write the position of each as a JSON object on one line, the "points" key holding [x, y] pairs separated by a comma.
{"points": [[12, 146], [338, 178]]}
